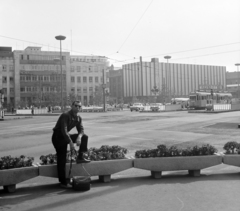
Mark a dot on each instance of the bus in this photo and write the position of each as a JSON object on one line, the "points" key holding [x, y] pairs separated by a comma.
{"points": [[200, 99]]}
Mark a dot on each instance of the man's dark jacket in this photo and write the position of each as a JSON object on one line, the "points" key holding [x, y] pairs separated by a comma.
{"points": [[66, 122]]}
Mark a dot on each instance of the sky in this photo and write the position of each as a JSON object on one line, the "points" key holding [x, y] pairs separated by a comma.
{"points": [[205, 32]]}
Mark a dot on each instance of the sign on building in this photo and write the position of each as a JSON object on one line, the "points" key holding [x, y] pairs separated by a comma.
{"points": [[214, 87]]}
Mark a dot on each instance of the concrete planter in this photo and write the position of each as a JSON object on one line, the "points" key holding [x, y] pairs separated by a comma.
{"points": [[193, 164], [10, 177], [233, 160], [103, 169]]}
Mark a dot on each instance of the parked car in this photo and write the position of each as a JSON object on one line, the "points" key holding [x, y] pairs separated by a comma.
{"points": [[137, 107], [155, 106], [57, 108]]}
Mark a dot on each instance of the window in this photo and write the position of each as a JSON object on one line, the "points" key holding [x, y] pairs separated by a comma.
{"points": [[28, 78], [90, 79], [21, 57], [34, 78], [22, 78], [79, 79], [96, 79], [28, 89], [79, 89], [11, 68], [4, 79], [90, 89], [72, 68], [34, 89], [84, 89], [45, 78], [90, 69], [72, 79], [84, 69], [72, 89], [11, 90], [11, 79], [4, 91], [84, 79], [40, 78], [4, 68], [78, 69]]}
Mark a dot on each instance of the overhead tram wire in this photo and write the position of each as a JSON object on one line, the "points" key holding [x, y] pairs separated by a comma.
{"points": [[196, 49], [40, 44], [192, 56], [122, 61], [135, 26]]}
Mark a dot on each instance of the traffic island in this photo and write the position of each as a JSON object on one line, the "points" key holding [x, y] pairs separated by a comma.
{"points": [[193, 164], [102, 169], [10, 177]]}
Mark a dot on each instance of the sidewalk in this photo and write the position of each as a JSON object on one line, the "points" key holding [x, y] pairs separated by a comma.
{"points": [[216, 189]]}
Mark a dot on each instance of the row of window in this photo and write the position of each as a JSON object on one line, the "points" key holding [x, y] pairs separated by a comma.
{"points": [[84, 79], [4, 68], [41, 57], [89, 69], [85, 69], [87, 60], [43, 89], [4, 79], [4, 90], [50, 78], [52, 89], [84, 89], [42, 67]]}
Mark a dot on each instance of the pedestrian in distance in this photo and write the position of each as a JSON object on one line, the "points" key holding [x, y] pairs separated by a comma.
{"points": [[61, 138]]}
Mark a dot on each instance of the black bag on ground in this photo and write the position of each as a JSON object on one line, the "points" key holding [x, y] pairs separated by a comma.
{"points": [[81, 183]]}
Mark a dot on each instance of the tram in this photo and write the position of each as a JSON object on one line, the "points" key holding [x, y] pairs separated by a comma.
{"points": [[200, 99]]}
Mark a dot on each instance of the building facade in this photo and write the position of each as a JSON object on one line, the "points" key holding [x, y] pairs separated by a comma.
{"points": [[174, 80], [33, 77], [116, 85], [86, 76], [233, 83]]}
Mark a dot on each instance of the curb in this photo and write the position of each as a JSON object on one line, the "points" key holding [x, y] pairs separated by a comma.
{"points": [[15, 118]]}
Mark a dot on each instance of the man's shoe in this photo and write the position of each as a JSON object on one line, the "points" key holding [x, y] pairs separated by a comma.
{"points": [[65, 186], [82, 160]]}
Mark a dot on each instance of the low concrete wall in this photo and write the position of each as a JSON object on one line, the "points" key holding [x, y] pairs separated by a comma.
{"points": [[29, 111]]}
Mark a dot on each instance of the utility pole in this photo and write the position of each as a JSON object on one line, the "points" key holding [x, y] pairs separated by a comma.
{"points": [[141, 73], [104, 87]]}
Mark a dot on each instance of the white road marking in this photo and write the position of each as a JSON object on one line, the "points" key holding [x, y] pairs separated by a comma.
{"points": [[181, 203]]}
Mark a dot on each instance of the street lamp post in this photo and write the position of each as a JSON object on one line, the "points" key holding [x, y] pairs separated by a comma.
{"points": [[167, 78], [60, 37], [238, 64], [104, 87]]}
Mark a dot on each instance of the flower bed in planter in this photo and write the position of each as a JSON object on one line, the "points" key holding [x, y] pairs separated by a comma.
{"points": [[172, 159], [232, 154], [14, 170], [105, 161]]}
